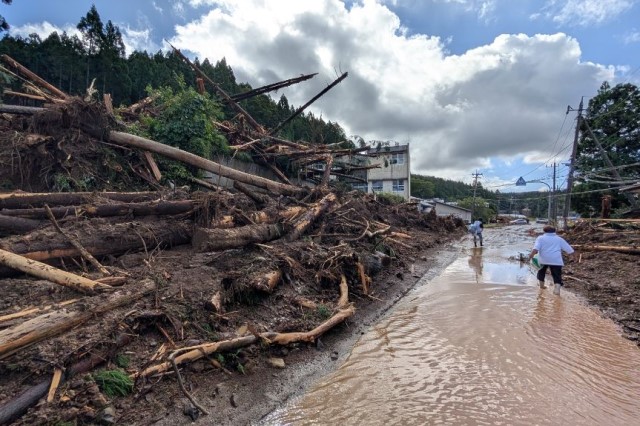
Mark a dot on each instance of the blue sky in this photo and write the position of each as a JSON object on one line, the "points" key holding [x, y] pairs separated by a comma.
{"points": [[470, 84]]}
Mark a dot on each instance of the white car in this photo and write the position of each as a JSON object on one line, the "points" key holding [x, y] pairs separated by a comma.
{"points": [[519, 222]]}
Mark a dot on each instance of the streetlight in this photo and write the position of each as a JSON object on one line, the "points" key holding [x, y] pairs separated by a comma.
{"points": [[522, 182]]}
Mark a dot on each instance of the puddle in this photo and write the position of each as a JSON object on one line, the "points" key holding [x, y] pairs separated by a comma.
{"points": [[481, 344]]}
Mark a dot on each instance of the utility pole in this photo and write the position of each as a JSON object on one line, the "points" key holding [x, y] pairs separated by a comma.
{"points": [[554, 203], [572, 165], [475, 175]]}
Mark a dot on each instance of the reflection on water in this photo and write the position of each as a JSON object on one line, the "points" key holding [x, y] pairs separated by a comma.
{"points": [[502, 352]]}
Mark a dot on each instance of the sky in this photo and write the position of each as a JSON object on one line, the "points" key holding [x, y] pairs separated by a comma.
{"points": [[471, 85]]}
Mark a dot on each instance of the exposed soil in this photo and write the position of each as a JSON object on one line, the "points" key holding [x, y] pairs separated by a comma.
{"points": [[608, 279]]}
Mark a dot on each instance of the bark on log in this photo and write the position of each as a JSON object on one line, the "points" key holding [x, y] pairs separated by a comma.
{"points": [[17, 225], [158, 208], [303, 223], [259, 199], [223, 239], [52, 324], [311, 336], [26, 200], [46, 272], [29, 311], [115, 239], [19, 110], [343, 302], [126, 139]]}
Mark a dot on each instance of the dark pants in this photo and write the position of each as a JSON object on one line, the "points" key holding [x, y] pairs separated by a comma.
{"points": [[556, 273]]}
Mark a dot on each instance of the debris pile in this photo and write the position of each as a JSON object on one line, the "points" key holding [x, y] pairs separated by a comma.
{"points": [[605, 269], [148, 282]]}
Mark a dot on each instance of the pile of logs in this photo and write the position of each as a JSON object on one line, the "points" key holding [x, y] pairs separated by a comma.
{"points": [[340, 241]]}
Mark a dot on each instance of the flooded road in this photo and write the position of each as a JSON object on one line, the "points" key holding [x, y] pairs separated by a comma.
{"points": [[481, 344]]}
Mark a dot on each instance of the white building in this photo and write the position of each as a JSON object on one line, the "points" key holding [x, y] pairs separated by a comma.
{"points": [[394, 174], [444, 209]]}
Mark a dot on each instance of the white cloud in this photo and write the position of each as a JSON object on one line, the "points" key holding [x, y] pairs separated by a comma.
{"points": [[632, 37], [156, 7], [133, 39], [502, 99], [43, 29], [138, 40], [585, 12]]}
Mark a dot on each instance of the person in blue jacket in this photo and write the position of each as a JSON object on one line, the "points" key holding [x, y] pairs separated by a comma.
{"points": [[476, 229]]}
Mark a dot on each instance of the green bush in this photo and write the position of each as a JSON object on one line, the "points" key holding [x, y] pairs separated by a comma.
{"points": [[185, 121], [390, 199]]}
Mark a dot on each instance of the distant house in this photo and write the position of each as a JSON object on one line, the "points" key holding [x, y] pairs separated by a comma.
{"points": [[444, 209], [394, 174]]}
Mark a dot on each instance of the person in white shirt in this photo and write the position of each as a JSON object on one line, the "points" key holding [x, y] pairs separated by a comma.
{"points": [[549, 248]]}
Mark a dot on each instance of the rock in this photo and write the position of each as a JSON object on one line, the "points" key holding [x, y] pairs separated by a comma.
{"points": [[424, 258], [108, 416], [319, 345], [233, 400], [276, 362], [334, 356], [192, 412]]}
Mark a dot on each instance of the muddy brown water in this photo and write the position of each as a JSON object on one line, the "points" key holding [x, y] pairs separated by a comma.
{"points": [[481, 344]]}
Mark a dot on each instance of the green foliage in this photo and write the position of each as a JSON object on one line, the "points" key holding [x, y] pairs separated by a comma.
{"points": [[323, 312], [122, 361], [390, 199], [422, 187], [480, 208], [185, 122], [114, 382], [613, 116]]}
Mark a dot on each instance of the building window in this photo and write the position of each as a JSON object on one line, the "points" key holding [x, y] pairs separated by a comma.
{"points": [[397, 158], [376, 185], [398, 185], [360, 186]]}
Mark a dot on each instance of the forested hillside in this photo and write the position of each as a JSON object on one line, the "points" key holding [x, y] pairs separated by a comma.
{"points": [[72, 63]]}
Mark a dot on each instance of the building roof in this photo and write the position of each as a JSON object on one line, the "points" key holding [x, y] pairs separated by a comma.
{"points": [[449, 205], [388, 149]]}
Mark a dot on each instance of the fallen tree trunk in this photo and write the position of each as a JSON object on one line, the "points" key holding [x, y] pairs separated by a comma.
{"points": [[26, 200], [104, 239], [619, 249], [31, 76], [52, 324], [46, 272], [155, 208], [223, 239], [303, 223], [259, 199], [196, 352], [17, 225], [126, 139]]}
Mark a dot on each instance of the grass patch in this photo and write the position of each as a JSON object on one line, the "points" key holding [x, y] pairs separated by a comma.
{"points": [[114, 382]]}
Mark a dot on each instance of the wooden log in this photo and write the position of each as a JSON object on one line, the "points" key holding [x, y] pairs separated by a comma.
{"points": [[151, 162], [223, 239], [17, 225], [194, 353], [75, 243], [267, 282], [305, 221], [156, 208], [19, 200], [19, 110], [126, 139], [24, 95], [55, 382], [34, 310], [46, 272], [619, 249], [343, 302], [259, 199], [25, 72], [52, 324], [113, 239]]}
